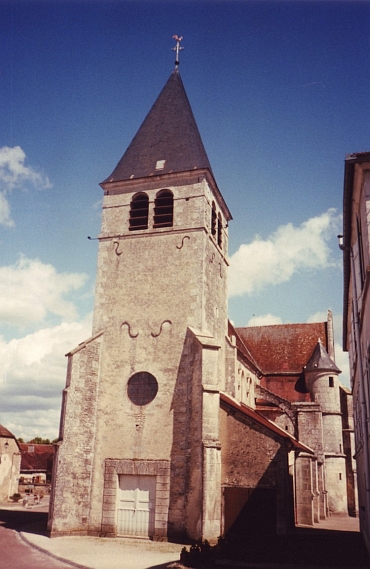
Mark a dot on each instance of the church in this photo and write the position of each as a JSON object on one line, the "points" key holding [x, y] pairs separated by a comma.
{"points": [[174, 423]]}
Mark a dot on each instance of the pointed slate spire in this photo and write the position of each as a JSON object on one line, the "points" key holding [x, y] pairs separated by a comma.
{"points": [[168, 141], [320, 360]]}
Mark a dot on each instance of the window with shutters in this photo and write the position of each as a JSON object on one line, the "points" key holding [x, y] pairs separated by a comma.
{"points": [[213, 220], [139, 210], [219, 231], [163, 209]]}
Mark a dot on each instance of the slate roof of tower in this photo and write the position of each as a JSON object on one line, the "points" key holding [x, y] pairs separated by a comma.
{"points": [[320, 360], [169, 132], [282, 348]]}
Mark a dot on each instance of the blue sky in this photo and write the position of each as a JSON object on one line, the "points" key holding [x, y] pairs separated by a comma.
{"points": [[280, 92]]}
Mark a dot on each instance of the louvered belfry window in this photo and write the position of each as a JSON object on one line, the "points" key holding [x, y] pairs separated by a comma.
{"points": [[213, 219], [219, 231], [163, 209], [139, 211]]}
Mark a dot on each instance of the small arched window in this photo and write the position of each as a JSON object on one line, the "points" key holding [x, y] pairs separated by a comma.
{"points": [[219, 231], [213, 219], [139, 211], [163, 209]]}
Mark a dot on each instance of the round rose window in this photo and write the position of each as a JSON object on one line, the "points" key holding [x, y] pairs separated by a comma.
{"points": [[142, 387]]}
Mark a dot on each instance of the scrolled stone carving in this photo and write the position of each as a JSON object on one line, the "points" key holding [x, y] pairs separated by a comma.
{"points": [[154, 335], [116, 246], [182, 242], [129, 330]]}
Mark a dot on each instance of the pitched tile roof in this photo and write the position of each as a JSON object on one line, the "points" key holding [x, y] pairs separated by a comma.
{"points": [[5, 433], [37, 460], [169, 133], [283, 348]]}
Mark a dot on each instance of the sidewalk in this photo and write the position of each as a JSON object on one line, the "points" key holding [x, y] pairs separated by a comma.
{"points": [[92, 552], [124, 553]]}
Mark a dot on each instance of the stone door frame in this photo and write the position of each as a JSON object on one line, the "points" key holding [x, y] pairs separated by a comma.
{"points": [[158, 468]]}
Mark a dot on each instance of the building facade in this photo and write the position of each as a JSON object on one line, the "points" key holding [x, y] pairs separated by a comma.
{"points": [[299, 390], [10, 461], [36, 464], [160, 430], [356, 316]]}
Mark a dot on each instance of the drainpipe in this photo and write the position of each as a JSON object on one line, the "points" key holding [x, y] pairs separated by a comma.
{"points": [[364, 424]]}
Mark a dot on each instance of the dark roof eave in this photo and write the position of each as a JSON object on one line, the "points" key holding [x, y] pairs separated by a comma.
{"points": [[349, 168], [243, 350], [255, 416]]}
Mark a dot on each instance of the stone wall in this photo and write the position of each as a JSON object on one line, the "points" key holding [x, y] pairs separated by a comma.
{"points": [[10, 462], [74, 458], [253, 458]]}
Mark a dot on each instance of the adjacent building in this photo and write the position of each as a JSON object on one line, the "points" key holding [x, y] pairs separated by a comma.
{"points": [[36, 464], [300, 391], [10, 461], [175, 423], [356, 316]]}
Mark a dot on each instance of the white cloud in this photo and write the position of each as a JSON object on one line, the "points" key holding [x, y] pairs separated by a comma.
{"points": [[264, 320], [31, 289], [5, 218], [288, 250], [32, 378], [341, 359], [320, 316], [15, 174]]}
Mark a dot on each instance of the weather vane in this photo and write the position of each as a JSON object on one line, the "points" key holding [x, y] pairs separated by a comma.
{"points": [[177, 48]]}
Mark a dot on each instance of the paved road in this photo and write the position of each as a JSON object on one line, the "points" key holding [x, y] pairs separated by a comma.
{"points": [[333, 544], [15, 553]]}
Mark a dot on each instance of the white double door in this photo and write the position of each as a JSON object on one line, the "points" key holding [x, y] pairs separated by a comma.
{"points": [[136, 505]]}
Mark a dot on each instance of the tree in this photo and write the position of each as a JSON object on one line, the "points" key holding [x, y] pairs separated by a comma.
{"points": [[39, 441]]}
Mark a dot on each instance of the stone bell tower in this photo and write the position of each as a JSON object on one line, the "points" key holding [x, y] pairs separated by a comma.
{"points": [[139, 452]]}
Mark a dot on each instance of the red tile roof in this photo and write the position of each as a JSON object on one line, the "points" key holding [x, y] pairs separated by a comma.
{"points": [[283, 348], [5, 433], [40, 459]]}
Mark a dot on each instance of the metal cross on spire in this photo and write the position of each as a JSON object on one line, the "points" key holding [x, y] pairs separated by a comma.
{"points": [[177, 48]]}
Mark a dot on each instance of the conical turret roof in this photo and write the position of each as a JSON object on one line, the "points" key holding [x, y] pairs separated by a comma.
{"points": [[168, 140], [320, 360]]}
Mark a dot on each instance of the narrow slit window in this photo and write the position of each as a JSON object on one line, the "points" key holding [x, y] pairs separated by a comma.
{"points": [[139, 211], [360, 252], [163, 209], [219, 231], [213, 220], [331, 381]]}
